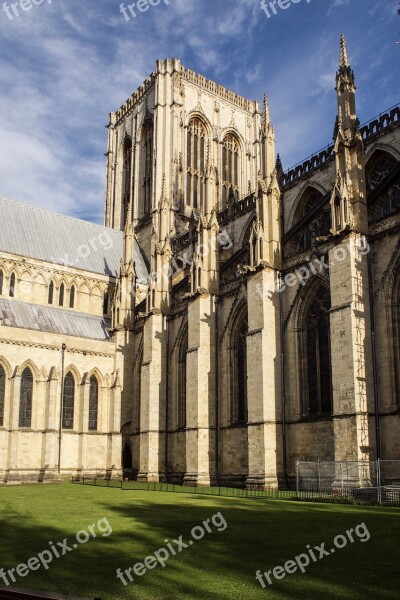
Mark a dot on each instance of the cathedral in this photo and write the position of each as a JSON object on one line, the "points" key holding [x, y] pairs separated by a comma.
{"points": [[228, 320]]}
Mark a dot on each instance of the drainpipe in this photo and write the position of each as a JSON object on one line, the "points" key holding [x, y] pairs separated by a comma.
{"points": [[374, 362], [63, 349]]}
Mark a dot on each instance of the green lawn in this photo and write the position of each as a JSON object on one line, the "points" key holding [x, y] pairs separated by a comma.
{"points": [[261, 534]]}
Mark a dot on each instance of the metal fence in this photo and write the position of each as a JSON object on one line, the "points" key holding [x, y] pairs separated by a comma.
{"points": [[345, 482], [363, 481]]}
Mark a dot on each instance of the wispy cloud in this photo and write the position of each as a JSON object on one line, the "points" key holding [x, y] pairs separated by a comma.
{"points": [[65, 66]]}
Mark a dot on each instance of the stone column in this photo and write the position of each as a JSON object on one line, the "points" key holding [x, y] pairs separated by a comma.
{"points": [[200, 392], [153, 396], [350, 326], [263, 380]]}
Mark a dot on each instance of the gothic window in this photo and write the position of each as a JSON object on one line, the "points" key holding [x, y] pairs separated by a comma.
{"points": [[378, 168], [93, 403], [230, 170], [61, 297], [391, 200], [320, 226], [105, 304], [147, 165], [239, 370], [2, 394], [182, 369], [72, 297], [25, 398], [12, 285], [318, 376], [338, 217], [51, 293], [126, 178], [195, 178], [1, 282], [68, 402]]}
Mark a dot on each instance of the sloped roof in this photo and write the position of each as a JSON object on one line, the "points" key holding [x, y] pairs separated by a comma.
{"points": [[36, 233], [21, 315]]}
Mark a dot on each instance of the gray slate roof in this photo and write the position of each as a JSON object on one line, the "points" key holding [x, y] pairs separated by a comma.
{"points": [[52, 320], [36, 233]]}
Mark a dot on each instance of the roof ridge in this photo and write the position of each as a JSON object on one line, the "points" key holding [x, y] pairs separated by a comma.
{"points": [[51, 212]]}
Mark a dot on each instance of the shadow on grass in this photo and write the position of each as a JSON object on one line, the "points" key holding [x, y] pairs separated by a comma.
{"points": [[222, 565]]}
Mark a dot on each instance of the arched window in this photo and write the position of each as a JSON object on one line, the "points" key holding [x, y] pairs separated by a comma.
{"points": [[12, 285], [182, 361], [25, 398], [72, 297], [230, 170], [61, 297], [317, 227], [378, 168], [318, 376], [2, 394], [126, 179], [239, 370], [1, 282], [195, 177], [147, 165], [105, 304], [68, 402], [51, 293], [93, 403]]}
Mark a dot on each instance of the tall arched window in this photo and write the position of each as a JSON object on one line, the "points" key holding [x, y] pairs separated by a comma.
{"points": [[147, 165], [239, 370], [195, 176], [1, 282], [2, 394], [51, 293], [93, 403], [182, 361], [12, 285], [72, 297], [230, 170], [318, 351], [25, 398], [61, 297], [319, 226], [68, 402], [105, 304], [126, 179], [378, 168]]}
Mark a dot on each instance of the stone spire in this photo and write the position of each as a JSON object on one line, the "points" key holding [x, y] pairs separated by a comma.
{"points": [[345, 87], [348, 200], [344, 59], [266, 116]]}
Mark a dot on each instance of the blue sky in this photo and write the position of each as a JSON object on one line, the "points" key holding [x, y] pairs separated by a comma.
{"points": [[65, 65]]}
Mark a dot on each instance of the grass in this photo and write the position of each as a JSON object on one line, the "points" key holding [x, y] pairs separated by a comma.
{"points": [[261, 534]]}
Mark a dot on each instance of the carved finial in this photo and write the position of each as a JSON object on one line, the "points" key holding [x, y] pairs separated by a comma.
{"points": [[266, 116], [164, 196], [344, 59]]}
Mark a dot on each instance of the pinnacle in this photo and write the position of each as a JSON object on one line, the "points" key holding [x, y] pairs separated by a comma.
{"points": [[344, 59]]}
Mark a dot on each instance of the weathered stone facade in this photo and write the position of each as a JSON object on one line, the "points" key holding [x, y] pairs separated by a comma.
{"points": [[262, 326]]}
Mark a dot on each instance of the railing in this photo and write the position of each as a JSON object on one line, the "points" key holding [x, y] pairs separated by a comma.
{"points": [[385, 494], [373, 128], [236, 209]]}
